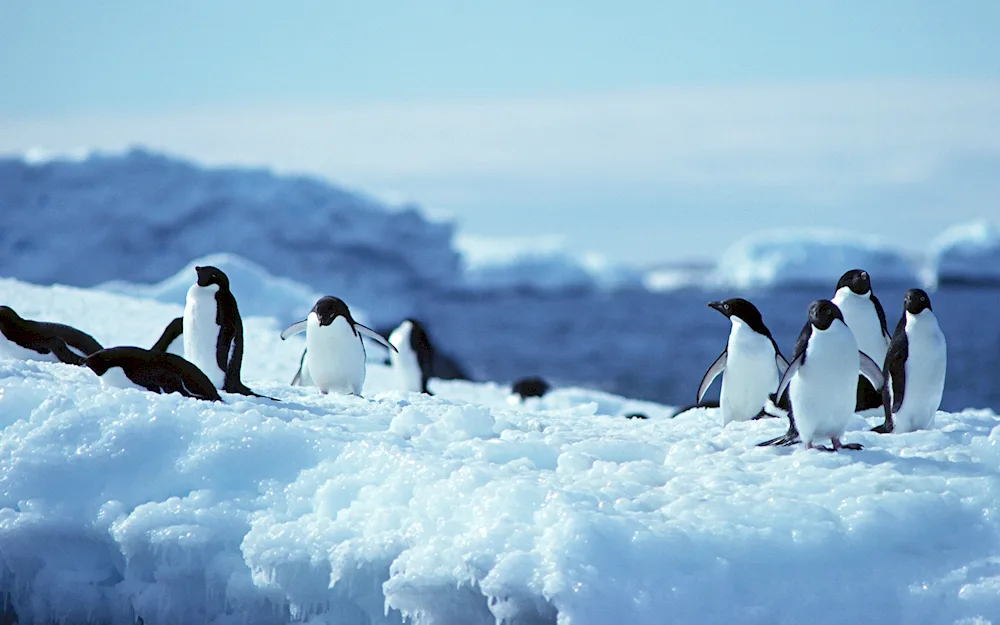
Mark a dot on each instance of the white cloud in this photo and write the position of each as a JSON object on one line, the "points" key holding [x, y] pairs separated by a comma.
{"points": [[832, 135]]}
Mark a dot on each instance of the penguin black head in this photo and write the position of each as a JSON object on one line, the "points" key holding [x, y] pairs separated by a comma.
{"points": [[328, 308], [916, 301], [858, 281], [209, 275], [8, 315], [530, 387], [822, 314], [741, 309]]}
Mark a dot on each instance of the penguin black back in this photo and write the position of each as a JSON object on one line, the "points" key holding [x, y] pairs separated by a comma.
{"points": [[159, 372], [66, 343]]}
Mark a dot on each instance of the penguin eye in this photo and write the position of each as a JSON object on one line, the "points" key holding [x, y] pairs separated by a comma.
{"points": [[727, 306]]}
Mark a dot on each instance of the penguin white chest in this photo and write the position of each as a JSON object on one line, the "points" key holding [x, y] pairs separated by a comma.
{"points": [[201, 332], [405, 363], [823, 390], [335, 356], [750, 375], [115, 378], [10, 349], [861, 317], [925, 368]]}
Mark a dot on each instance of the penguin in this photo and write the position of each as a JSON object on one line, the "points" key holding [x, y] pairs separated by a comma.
{"points": [[334, 358], [414, 359], [914, 368], [751, 364], [213, 331], [864, 315], [24, 339], [156, 371], [172, 339], [532, 386], [822, 377]]}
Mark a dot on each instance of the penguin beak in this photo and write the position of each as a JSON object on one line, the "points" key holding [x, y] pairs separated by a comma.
{"points": [[719, 306]]}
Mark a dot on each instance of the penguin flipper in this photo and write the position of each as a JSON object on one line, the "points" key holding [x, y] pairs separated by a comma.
{"points": [[792, 369], [174, 329], [296, 328], [62, 351], [871, 371], [881, 318], [713, 372], [781, 363], [375, 336]]}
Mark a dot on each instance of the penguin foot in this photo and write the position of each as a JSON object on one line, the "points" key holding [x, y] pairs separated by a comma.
{"points": [[821, 447], [785, 440], [837, 445], [885, 428]]}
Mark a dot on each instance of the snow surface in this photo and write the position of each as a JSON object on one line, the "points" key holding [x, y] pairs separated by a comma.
{"points": [[463, 507], [967, 254], [139, 216], [809, 257], [537, 262]]}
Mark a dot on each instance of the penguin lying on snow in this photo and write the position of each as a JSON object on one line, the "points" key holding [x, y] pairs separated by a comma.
{"points": [[822, 377], [213, 331], [24, 339], [159, 372], [864, 315], [914, 368], [750, 364], [334, 358]]}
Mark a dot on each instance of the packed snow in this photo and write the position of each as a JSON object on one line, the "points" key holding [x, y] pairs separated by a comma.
{"points": [[140, 216], [809, 257], [967, 254], [463, 507], [537, 262]]}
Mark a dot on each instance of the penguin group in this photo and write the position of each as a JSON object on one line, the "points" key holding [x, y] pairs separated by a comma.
{"points": [[201, 353], [844, 361]]}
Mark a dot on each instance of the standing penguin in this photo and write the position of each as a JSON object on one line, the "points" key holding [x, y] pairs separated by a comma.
{"points": [[334, 358], [413, 359], [914, 368], [822, 378], [213, 330], [24, 339], [864, 315], [751, 364]]}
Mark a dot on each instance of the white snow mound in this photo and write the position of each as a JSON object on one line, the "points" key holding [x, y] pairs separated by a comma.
{"points": [[967, 254], [463, 508], [257, 292], [809, 257]]}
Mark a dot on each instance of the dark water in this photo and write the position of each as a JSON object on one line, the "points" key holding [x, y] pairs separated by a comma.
{"points": [[657, 346]]}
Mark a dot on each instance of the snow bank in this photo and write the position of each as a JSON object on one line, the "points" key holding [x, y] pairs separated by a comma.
{"points": [[967, 254], [257, 292], [138, 216], [541, 263], [463, 508], [809, 257]]}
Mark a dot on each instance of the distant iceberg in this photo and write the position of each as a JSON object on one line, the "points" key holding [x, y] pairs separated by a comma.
{"points": [[967, 254], [258, 293], [810, 257], [87, 218], [540, 263]]}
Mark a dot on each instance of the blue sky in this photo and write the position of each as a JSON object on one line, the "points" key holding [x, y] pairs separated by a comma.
{"points": [[645, 130]]}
